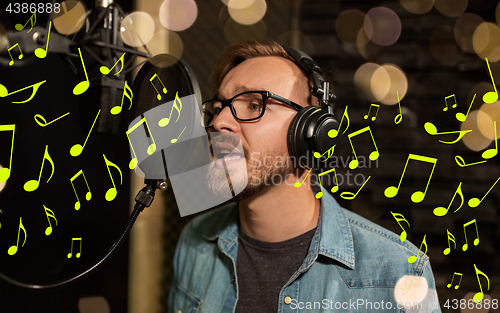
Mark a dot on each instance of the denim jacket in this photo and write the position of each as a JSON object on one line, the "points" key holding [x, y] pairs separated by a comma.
{"points": [[352, 265]]}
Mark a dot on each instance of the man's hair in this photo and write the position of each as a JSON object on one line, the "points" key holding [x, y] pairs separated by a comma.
{"points": [[239, 52]]}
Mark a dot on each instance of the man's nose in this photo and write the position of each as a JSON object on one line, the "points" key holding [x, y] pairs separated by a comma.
{"points": [[225, 121]]}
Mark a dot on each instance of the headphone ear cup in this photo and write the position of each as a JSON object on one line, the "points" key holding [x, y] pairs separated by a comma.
{"points": [[308, 134]]}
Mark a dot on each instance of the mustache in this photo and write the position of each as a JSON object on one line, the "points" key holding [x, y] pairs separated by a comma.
{"points": [[227, 138]]}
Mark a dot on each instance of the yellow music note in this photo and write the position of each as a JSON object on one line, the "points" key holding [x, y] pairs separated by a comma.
{"points": [[490, 153], [20, 53], [476, 241], [413, 258], [373, 155], [432, 130], [460, 116], [491, 96], [450, 238], [5, 172], [111, 193], [174, 140], [441, 211], [474, 202], [77, 149], [105, 70], [5, 93], [417, 196], [79, 253], [40, 120], [49, 213], [82, 86], [33, 184], [376, 113], [164, 121], [479, 295], [32, 19], [88, 195], [334, 132], [13, 249], [329, 151], [399, 217], [349, 195], [298, 184], [40, 52], [461, 162], [127, 92], [399, 117], [452, 278], [334, 188], [446, 103], [150, 150], [158, 96]]}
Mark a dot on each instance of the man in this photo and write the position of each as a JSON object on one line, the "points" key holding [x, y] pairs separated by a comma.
{"points": [[280, 249]]}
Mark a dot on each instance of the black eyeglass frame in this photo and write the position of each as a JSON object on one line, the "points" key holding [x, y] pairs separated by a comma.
{"points": [[265, 95]]}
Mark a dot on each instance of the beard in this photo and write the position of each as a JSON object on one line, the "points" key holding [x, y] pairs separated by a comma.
{"points": [[260, 172]]}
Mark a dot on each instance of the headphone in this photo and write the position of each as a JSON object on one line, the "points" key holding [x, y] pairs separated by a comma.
{"points": [[309, 138]]}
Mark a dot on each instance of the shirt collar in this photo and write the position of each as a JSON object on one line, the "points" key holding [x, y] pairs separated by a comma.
{"points": [[333, 237]]}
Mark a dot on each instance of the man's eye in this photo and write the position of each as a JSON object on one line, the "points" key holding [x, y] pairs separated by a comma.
{"points": [[256, 107]]}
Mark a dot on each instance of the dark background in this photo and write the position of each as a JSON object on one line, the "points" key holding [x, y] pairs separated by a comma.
{"points": [[43, 258]]}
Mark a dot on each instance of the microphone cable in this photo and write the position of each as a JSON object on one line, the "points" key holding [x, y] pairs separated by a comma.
{"points": [[143, 200]]}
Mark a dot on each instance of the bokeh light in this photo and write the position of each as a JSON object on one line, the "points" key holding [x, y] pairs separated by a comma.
{"points": [[70, 18], [444, 48], [417, 6], [451, 8], [239, 4], [296, 39], [493, 111], [178, 15], [475, 140], [398, 84], [4, 40], [486, 41], [250, 14], [363, 79], [236, 32], [479, 90], [410, 289], [137, 29], [464, 30], [166, 41], [382, 26], [380, 83], [366, 48], [348, 25]]}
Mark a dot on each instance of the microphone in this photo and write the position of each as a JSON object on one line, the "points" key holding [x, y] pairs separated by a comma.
{"points": [[101, 52]]}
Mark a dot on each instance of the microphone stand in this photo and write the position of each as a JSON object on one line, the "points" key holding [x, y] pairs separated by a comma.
{"points": [[143, 200]]}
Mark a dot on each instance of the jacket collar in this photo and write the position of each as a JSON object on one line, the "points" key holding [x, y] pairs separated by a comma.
{"points": [[333, 237]]}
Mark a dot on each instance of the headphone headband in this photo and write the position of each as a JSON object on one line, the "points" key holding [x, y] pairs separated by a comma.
{"points": [[308, 140], [315, 73]]}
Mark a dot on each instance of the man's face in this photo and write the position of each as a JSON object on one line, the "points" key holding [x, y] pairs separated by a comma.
{"points": [[263, 140]]}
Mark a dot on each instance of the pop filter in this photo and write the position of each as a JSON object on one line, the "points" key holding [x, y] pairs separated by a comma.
{"points": [[167, 139], [165, 111]]}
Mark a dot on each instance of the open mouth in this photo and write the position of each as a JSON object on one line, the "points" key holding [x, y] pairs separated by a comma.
{"points": [[226, 153]]}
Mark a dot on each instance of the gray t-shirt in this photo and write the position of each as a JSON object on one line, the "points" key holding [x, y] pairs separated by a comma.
{"points": [[263, 268]]}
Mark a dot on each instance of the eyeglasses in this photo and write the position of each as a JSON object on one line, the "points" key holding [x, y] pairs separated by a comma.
{"points": [[246, 106]]}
